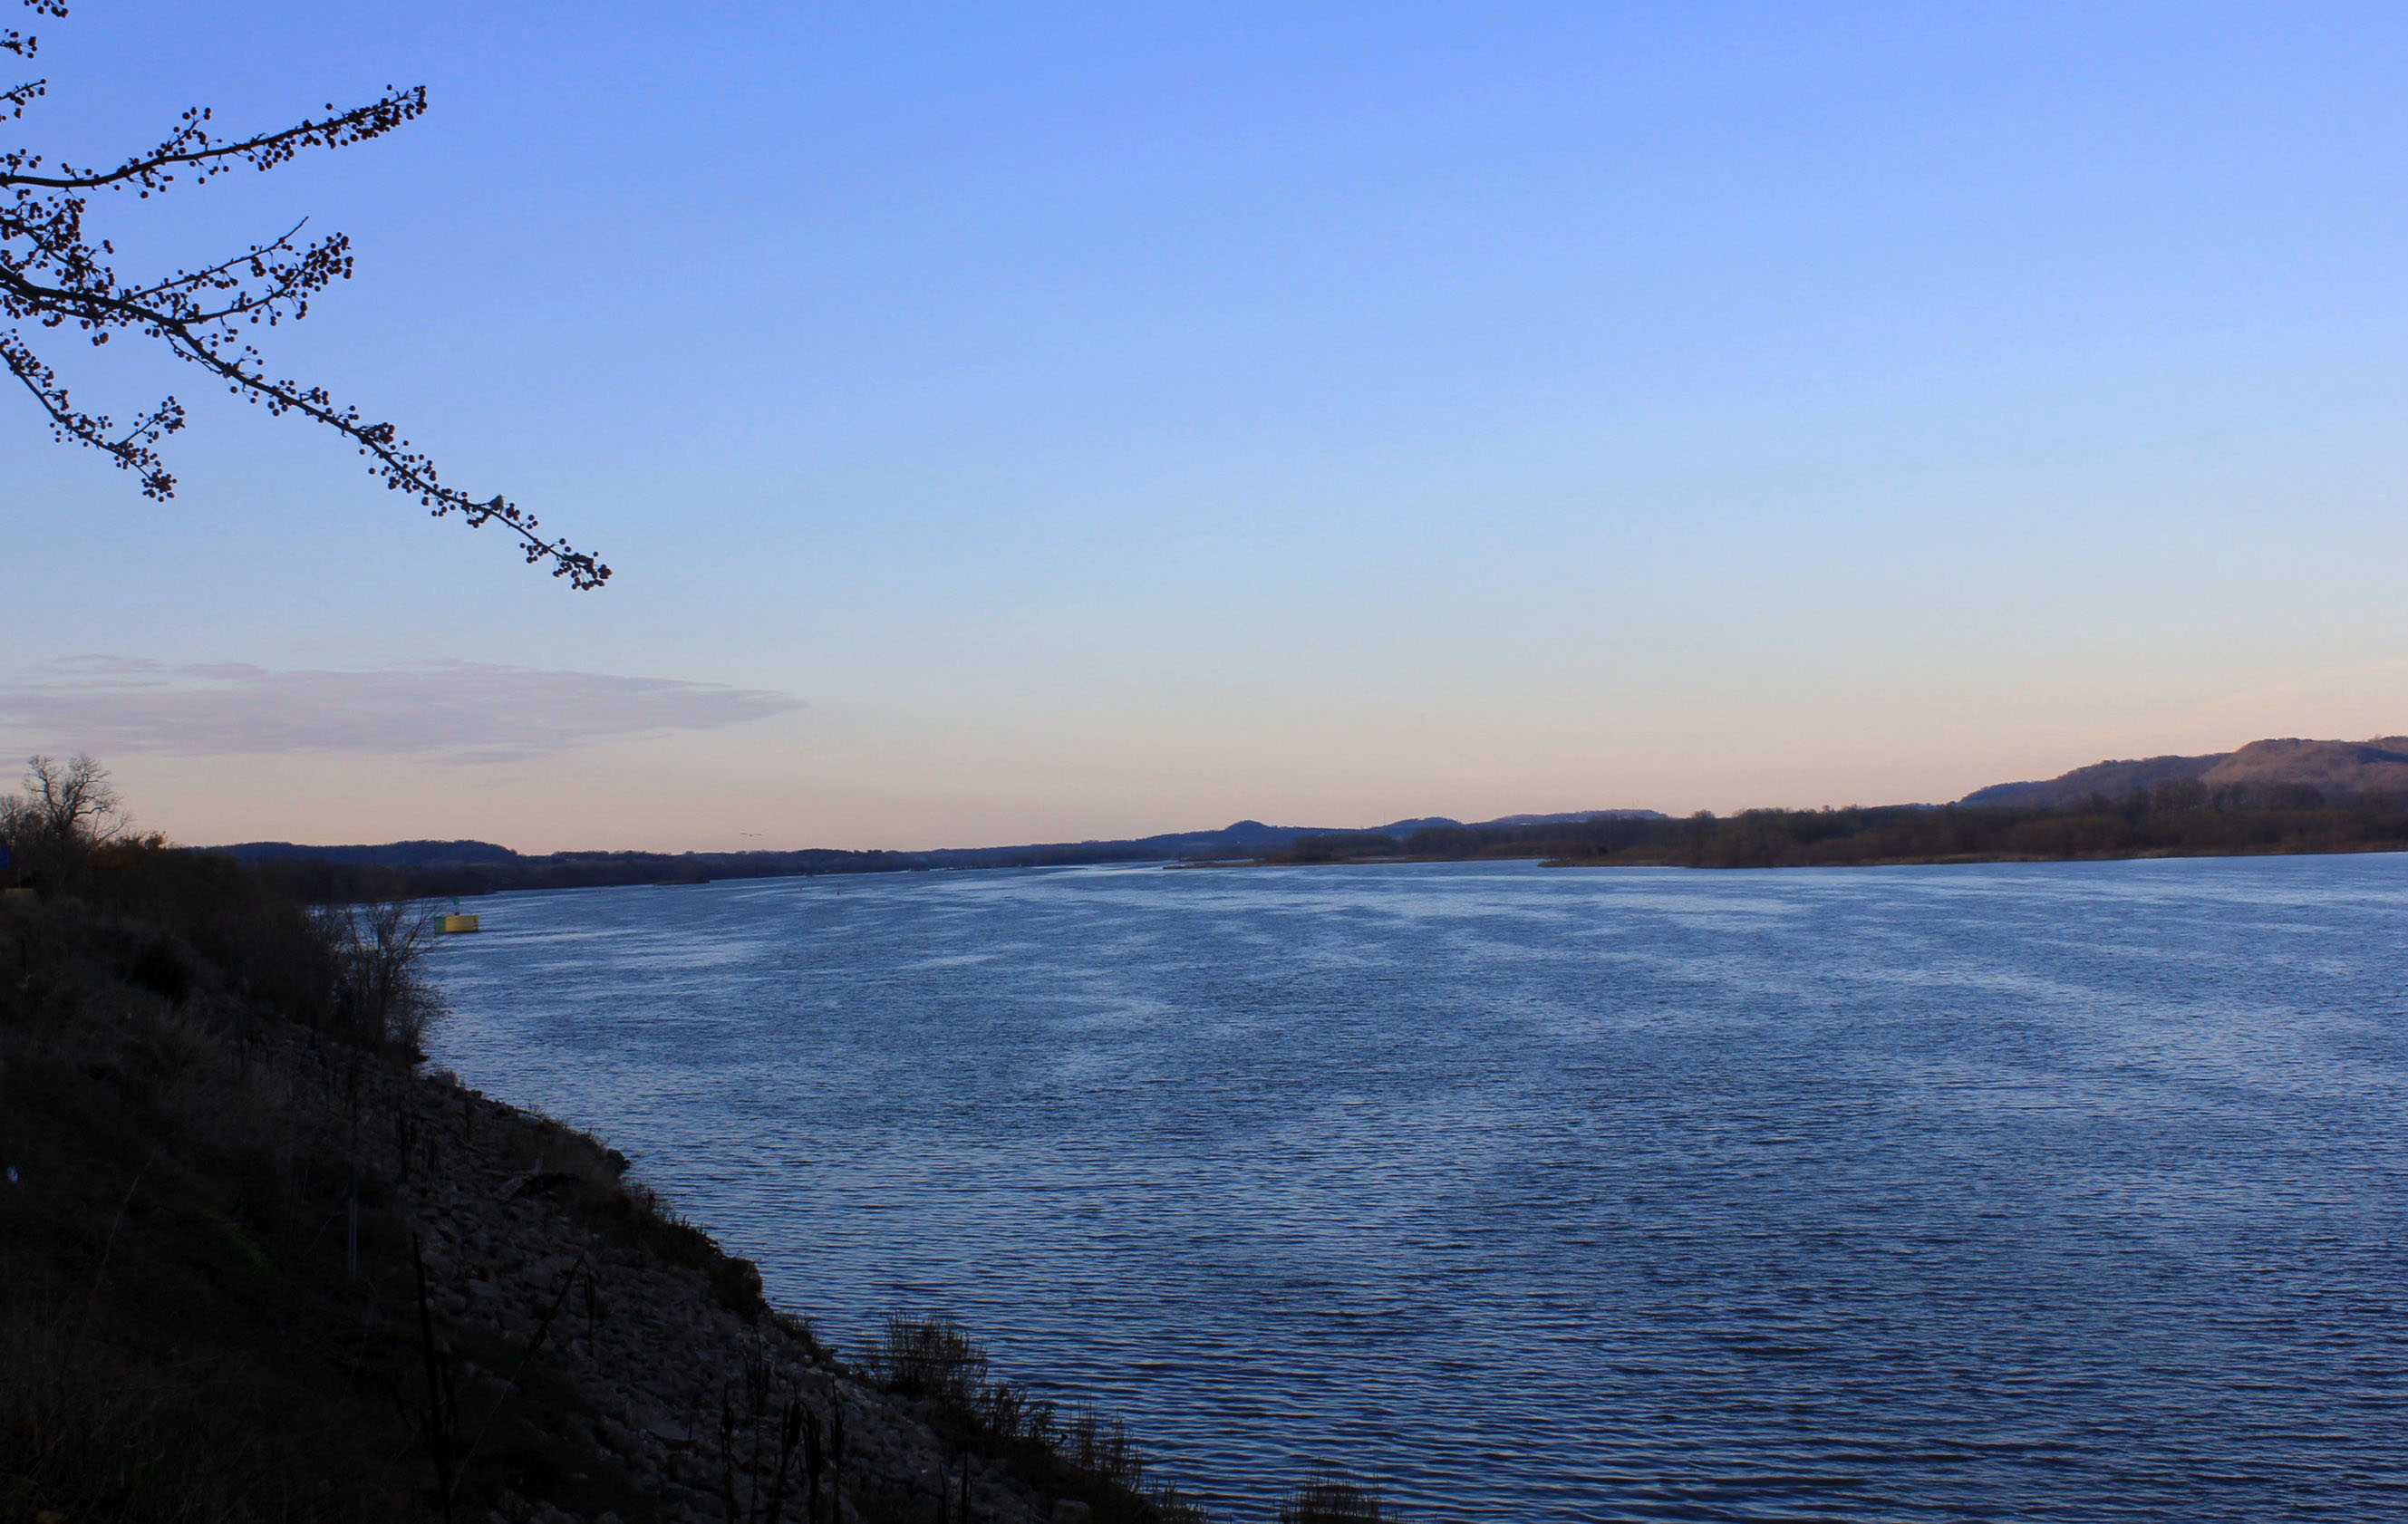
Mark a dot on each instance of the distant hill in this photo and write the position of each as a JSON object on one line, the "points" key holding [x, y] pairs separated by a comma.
{"points": [[2334, 769], [1244, 838], [1570, 819], [2112, 779], [412, 869], [392, 854], [475, 867]]}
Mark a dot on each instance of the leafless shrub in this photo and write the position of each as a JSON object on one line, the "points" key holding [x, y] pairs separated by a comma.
{"points": [[1096, 1444], [380, 999], [58, 281], [1329, 1501], [67, 810], [930, 1358]]}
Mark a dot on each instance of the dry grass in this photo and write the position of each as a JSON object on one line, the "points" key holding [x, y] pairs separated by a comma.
{"points": [[158, 1228], [92, 1432], [207, 1309], [206, 1305]]}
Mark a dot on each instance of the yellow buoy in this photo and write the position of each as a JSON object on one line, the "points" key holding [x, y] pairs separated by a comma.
{"points": [[459, 924]]}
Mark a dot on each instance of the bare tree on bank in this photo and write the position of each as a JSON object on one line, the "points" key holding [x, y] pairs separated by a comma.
{"points": [[68, 809], [56, 277]]}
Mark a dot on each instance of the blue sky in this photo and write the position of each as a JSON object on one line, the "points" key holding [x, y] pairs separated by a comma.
{"points": [[1017, 423]]}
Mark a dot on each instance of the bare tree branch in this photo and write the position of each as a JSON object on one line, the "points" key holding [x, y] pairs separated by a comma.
{"points": [[53, 275], [22, 45], [191, 145]]}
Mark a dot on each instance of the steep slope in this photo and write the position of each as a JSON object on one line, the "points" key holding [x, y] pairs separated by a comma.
{"points": [[254, 1273], [2336, 769], [2114, 779], [2333, 767]]}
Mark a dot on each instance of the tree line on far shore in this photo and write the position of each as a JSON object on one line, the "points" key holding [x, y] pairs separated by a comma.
{"points": [[2176, 817], [321, 880], [67, 829]]}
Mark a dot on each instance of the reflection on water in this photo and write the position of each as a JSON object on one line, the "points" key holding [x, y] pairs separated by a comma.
{"points": [[2028, 1193]]}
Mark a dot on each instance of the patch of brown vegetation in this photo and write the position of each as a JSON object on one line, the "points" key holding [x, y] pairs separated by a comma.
{"points": [[2337, 770], [255, 1272]]}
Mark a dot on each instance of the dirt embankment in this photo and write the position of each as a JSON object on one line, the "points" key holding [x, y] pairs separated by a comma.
{"points": [[256, 1274]]}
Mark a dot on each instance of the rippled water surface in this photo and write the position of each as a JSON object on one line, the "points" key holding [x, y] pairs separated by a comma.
{"points": [[2016, 1192]]}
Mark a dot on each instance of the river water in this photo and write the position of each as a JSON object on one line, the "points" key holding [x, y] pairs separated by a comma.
{"points": [[2031, 1192]]}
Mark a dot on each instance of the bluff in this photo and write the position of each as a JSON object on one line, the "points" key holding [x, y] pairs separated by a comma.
{"points": [[260, 1265], [419, 869], [2334, 769]]}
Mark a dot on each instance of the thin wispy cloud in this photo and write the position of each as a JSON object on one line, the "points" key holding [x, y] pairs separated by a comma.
{"points": [[447, 711]]}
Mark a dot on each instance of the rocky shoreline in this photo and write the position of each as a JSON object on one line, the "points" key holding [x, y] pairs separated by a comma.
{"points": [[523, 1231], [260, 1270]]}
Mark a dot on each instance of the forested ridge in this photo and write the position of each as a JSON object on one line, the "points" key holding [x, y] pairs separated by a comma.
{"points": [[2267, 797], [425, 869], [2178, 817]]}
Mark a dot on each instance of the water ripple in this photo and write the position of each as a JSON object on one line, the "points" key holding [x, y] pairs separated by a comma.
{"points": [[2060, 1192]]}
